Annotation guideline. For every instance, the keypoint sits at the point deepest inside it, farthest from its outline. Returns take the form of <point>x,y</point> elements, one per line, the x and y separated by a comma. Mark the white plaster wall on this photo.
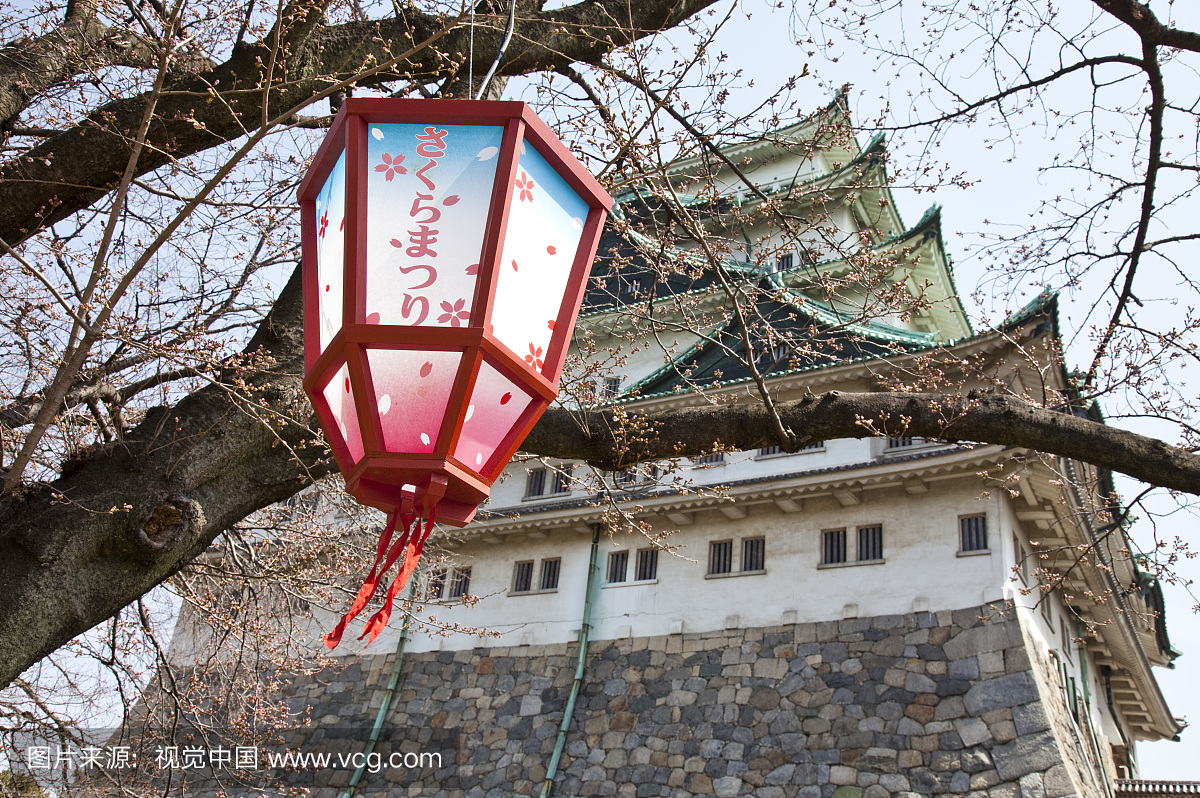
<point>921,570</point>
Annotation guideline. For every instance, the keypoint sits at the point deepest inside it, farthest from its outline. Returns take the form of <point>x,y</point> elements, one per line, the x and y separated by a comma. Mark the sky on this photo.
<point>1005,187</point>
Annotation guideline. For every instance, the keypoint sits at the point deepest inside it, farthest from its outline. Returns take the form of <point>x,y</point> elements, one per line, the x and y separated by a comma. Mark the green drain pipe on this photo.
<point>585,627</point>
<point>387,695</point>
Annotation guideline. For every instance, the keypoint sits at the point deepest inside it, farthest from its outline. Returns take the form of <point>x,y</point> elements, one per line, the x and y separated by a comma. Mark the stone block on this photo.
<point>972,731</point>
<point>1030,718</point>
<point>1057,782</point>
<point>727,786</point>
<point>983,639</point>
<point>1006,691</point>
<point>1031,786</point>
<point>841,774</point>
<point>1028,754</point>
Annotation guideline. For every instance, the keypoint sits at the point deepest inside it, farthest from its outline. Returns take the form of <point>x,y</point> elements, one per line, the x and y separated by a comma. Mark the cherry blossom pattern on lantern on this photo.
<point>324,224</point>
<point>534,358</point>
<point>455,314</point>
<point>391,166</point>
<point>526,187</point>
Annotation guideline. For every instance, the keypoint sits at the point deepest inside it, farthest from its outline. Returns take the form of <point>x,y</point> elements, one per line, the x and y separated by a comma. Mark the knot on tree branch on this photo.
<point>166,525</point>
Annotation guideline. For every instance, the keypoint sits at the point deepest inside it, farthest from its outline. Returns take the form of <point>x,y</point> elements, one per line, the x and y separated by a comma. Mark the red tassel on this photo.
<point>371,583</point>
<point>412,556</point>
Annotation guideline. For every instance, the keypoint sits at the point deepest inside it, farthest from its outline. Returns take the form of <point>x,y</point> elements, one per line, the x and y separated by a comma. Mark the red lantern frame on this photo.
<point>441,485</point>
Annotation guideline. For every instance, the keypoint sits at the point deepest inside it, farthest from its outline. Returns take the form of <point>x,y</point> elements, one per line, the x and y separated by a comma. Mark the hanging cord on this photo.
<point>512,22</point>
<point>388,694</point>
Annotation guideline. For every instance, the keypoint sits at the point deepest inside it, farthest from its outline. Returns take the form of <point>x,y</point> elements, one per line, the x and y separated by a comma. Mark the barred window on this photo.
<point>535,484</point>
<point>550,569</point>
<point>973,532</point>
<point>720,557</point>
<point>711,458</point>
<point>902,443</point>
<point>562,479</point>
<point>436,588</point>
<point>647,564</point>
<point>754,552</point>
<point>612,387</point>
<point>870,542</point>
<point>770,450</point>
<point>784,262</point>
<point>626,477</point>
<point>618,561</point>
<point>461,584</point>
<point>523,577</point>
<point>833,549</point>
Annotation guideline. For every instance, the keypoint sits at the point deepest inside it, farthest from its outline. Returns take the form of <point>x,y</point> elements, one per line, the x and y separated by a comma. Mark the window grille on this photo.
<point>808,447</point>
<point>461,584</point>
<point>784,262</point>
<point>550,569</point>
<point>833,549</point>
<point>535,484</point>
<point>617,564</point>
<point>754,552</point>
<point>720,557</point>
<point>647,564</point>
<point>870,543</point>
<point>523,577</point>
<point>612,387</point>
<point>626,477</point>
<point>712,458</point>
<point>561,483</point>
<point>902,443</point>
<point>436,588</point>
<point>973,531</point>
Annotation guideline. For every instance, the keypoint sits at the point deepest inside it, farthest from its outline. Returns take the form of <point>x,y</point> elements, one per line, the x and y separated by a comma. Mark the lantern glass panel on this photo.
<point>412,389</point>
<point>495,406</point>
<point>429,189</point>
<point>331,244</point>
<point>545,224</point>
<point>341,403</point>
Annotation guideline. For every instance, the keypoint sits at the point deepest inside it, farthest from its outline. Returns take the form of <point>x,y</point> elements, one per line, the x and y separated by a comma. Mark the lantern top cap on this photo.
<point>389,110</point>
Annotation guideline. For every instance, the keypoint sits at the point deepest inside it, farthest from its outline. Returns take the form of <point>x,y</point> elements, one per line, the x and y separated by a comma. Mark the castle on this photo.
<point>857,618</point>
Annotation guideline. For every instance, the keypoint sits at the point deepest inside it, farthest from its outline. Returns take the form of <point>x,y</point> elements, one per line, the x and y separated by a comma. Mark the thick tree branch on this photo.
<point>1142,20</point>
<point>68,172</point>
<point>81,43</point>
<point>613,440</point>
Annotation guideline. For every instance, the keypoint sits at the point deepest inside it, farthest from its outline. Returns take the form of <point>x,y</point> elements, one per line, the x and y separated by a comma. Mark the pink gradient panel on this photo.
<point>412,388</point>
<point>493,410</point>
<point>341,403</point>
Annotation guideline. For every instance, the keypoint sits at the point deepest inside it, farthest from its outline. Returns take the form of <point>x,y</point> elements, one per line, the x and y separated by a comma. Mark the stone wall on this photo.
<point>895,705</point>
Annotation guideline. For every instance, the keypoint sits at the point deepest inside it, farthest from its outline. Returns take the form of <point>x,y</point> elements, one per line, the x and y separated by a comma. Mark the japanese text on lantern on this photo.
<point>422,235</point>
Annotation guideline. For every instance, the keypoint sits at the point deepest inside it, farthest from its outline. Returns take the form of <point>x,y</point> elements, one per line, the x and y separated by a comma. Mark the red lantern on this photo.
<point>447,245</point>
